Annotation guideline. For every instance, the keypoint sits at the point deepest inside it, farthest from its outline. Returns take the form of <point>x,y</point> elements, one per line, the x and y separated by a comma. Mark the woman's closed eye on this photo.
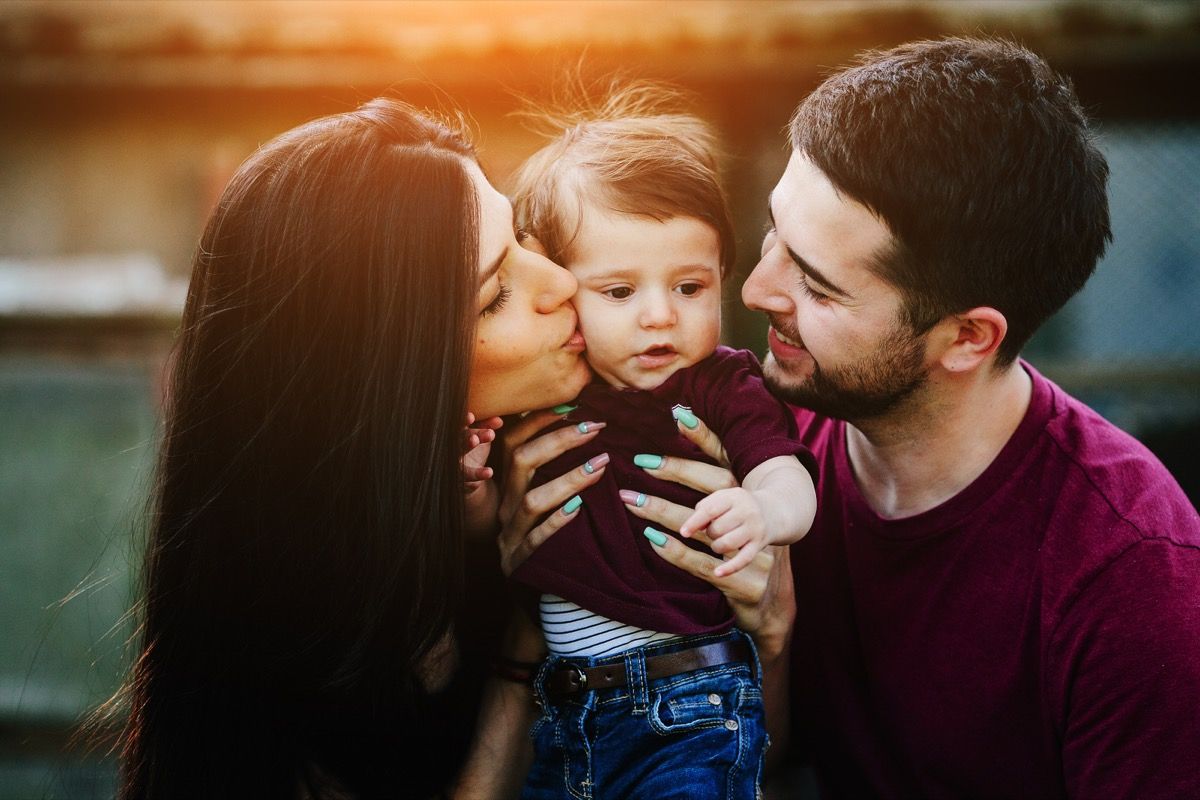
<point>497,302</point>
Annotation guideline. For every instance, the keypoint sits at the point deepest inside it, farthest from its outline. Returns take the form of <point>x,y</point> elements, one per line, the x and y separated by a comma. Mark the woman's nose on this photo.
<point>555,285</point>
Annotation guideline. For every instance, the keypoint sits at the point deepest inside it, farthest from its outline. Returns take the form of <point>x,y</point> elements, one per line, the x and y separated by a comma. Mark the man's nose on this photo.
<point>764,287</point>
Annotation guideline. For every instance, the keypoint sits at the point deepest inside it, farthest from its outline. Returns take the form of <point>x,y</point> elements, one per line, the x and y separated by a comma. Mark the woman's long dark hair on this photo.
<point>305,549</point>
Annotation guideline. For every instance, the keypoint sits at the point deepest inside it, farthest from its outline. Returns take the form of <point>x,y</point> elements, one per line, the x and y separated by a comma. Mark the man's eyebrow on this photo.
<point>810,272</point>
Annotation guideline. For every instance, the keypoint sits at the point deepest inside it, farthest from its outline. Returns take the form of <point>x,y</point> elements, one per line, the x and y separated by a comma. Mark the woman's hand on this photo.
<point>521,508</point>
<point>761,595</point>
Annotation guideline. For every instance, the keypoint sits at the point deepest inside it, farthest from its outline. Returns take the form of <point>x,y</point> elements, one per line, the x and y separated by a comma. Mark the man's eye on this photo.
<point>689,289</point>
<point>806,287</point>
<point>619,293</point>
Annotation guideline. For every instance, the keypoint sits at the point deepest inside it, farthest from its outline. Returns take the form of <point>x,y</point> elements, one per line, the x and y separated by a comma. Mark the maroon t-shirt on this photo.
<point>600,559</point>
<point>1038,635</point>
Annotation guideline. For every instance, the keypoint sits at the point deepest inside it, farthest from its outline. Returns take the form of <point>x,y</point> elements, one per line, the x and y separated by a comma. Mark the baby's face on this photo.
<point>649,298</point>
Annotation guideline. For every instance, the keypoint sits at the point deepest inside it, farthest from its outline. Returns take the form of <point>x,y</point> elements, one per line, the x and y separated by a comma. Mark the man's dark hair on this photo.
<point>979,159</point>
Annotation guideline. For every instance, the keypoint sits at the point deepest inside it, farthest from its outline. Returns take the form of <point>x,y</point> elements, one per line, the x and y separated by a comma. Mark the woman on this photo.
<point>305,616</point>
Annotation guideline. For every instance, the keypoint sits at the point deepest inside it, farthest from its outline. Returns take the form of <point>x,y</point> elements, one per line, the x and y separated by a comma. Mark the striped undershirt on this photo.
<point>571,630</point>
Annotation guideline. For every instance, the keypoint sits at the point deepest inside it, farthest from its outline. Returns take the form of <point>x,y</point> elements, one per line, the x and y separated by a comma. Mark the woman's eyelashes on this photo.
<point>497,302</point>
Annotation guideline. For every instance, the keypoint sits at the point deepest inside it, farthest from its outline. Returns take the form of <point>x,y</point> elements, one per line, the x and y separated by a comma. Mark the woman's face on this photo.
<point>528,349</point>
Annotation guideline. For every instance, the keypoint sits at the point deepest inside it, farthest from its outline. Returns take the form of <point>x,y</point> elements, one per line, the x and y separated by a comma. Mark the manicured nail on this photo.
<point>657,538</point>
<point>565,408</point>
<point>647,461</point>
<point>572,505</point>
<point>588,427</point>
<point>685,417</point>
<point>633,498</point>
<point>582,427</point>
<point>595,462</point>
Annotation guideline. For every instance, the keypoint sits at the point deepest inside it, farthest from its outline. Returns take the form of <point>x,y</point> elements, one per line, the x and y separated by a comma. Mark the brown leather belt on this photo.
<point>569,679</point>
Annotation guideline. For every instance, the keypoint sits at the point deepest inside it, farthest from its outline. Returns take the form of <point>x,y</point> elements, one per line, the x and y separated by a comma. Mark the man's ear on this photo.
<point>970,338</point>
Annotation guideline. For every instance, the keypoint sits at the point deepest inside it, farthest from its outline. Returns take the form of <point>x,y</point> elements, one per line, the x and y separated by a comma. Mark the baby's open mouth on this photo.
<point>659,350</point>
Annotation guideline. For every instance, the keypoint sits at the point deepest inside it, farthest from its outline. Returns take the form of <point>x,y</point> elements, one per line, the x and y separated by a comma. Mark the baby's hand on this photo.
<point>481,498</point>
<point>734,520</point>
<point>477,446</point>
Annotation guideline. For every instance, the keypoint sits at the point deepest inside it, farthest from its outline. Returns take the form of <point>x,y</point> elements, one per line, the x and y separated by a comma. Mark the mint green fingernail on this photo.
<point>565,408</point>
<point>685,417</point>
<point>647,461</point>
<point>641,500</point>
<point>657,538</point>
<point>572,505</point>
<point>582,427</point>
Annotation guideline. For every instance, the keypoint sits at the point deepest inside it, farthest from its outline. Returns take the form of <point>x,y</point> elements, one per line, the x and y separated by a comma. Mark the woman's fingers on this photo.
<point>742,588</point>
<point>668,515</point>
<point>530,426</point>
<point>702,477</point>
<point>693,428</point>
<point>523,547</point>
<point>559,497</point>
<point>524,459</point>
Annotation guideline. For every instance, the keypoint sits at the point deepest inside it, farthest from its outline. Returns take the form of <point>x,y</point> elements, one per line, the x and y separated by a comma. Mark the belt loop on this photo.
<point>635,672</point>
<point>539,684</point>
<point>755,666</point>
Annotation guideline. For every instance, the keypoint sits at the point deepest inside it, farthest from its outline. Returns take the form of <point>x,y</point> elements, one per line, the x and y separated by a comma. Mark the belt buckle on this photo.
<point>577,679</point>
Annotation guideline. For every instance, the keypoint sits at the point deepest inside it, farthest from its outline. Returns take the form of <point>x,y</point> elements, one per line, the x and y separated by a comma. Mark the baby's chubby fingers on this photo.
<point>707,511</point>
<point>735,564</point>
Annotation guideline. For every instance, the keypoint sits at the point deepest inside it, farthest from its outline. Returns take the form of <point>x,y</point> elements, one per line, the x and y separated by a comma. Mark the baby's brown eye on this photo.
<point>689,289</point>
<point>619,293</point>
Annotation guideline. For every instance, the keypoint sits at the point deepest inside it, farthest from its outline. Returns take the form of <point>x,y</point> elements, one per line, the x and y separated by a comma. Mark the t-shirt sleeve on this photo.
<point>753,425</point>
<point>1124,677</point>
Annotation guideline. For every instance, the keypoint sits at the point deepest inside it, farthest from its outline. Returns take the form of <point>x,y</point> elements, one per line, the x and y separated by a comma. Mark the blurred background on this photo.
<point>121,122</point>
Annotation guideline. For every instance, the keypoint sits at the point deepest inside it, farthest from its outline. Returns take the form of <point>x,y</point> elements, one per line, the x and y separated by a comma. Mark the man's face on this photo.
<point>838,344</point>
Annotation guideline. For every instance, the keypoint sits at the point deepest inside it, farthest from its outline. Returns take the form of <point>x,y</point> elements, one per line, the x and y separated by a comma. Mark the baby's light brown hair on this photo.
<point>634,151</point>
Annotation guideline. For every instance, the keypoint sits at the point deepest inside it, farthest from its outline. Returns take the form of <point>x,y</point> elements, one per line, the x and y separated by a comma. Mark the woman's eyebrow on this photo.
<point>493,268</point>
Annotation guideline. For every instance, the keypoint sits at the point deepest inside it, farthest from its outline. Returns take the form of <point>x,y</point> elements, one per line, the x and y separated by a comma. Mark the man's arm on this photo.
<point>1124,677</point>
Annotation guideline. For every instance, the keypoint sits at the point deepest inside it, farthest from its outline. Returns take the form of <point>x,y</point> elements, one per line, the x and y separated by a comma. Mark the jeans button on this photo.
<point>731,724</point>
<point>714,699</point>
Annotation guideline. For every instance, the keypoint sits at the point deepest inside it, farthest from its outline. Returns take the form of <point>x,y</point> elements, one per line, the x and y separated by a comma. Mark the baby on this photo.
<point>649,690</point>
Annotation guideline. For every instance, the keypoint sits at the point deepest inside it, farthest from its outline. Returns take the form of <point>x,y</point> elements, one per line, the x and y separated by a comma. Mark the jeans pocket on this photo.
<point>710,700</point>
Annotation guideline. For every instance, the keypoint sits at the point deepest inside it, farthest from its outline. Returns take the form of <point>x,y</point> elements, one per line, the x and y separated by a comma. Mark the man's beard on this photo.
<point>863,390</point>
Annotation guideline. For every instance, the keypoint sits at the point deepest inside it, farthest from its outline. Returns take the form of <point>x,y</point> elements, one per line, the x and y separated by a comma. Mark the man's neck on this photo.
<point>920,456</point>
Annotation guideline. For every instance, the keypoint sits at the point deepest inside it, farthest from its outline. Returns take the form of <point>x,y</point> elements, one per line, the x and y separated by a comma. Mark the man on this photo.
<point>1000,596</point>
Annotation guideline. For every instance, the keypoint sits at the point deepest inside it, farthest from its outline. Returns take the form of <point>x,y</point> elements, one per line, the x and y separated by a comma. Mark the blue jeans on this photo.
<point>691,736</point>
